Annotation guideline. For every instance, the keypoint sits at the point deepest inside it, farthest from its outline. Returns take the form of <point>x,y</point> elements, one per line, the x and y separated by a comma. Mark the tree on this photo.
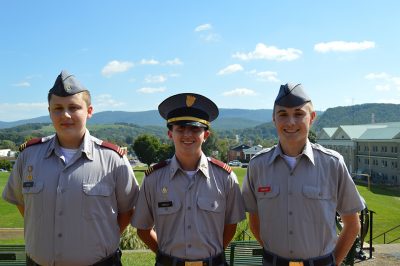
<point>7,165</point>
<point>147,148</point>
<point>312,136</point>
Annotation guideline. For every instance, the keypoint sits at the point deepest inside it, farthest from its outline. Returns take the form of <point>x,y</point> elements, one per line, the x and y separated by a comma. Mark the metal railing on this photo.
<point>385,233</point>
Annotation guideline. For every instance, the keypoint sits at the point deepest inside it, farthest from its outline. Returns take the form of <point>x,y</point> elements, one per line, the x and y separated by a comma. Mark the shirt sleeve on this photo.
<point>234,202</point>
<point>127,188</point>
<point>143,217</point>
<point>12,192</point>
<point>250,200</point>
<point>349,199</point>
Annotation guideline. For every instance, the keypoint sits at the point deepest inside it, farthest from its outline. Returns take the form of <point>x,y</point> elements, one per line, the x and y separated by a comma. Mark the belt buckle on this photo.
<point>194,263</point>
<point>296,263</point>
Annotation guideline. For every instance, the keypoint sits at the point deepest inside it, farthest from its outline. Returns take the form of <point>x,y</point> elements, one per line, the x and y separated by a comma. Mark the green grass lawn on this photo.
<point>385,203</point>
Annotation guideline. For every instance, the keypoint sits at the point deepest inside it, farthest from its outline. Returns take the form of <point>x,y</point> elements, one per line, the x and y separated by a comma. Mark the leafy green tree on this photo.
<point>147,148</point>
<point>312,136</point>
<point>7,165</point>
<point>8,144</point>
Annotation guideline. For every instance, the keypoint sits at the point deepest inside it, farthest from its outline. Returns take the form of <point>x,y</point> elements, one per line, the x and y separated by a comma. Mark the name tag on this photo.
<point>164,204</point>
<point>28,184</point>
<point>264,189</point>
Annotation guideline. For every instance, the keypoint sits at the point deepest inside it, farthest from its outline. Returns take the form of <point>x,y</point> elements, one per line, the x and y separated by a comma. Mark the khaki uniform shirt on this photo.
<point>189,214</point>
<point>297,206</point>
<point>71,210</point>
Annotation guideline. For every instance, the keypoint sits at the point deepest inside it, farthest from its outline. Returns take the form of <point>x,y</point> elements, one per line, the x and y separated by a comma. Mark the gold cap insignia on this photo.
<point>164,190</point>
<point>190,99</point>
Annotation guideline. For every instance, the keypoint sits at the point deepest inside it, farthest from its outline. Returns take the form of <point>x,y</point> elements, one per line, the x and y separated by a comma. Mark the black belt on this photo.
<point>112,260</point>
<point>166,260</point>
<point>324,261</point>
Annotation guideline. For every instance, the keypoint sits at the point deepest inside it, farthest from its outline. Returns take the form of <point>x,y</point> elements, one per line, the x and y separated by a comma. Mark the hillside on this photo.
<point>228,118</point>
<point>358,114</point>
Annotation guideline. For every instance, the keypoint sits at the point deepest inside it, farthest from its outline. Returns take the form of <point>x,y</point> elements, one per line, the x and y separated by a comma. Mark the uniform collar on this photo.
<point>307,151</point>
<point>87,146</point>
<point>202,166</point>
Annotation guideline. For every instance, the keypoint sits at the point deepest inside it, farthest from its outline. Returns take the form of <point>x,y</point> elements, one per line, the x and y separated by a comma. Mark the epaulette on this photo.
<point>221,164</point>
<point>159,165</point>
<point>30,142</point>
<point>113,147</point>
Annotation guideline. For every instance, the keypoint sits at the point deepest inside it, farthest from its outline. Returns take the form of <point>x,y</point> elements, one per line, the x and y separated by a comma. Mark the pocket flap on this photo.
<point>315,193</point>
<point>35,188</point>
<point>168,209</point>
<point>209,204</point>
<point>97,189</point>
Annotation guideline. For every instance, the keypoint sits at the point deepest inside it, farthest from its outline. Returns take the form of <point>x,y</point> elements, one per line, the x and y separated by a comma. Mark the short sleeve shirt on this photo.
<point>71,209</point>
<point>189,214</point>
<point>297,207</point>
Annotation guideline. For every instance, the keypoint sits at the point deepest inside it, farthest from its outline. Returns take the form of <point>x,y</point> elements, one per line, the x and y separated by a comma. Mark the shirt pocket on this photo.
<point>211,215</point>
<point>33,199</point>
<point>268,203</point>
<point>319,206</point>
<point>97,201</point>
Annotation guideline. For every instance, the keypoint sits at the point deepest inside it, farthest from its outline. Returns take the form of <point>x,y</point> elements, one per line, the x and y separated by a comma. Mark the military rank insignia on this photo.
<point>29,178</point>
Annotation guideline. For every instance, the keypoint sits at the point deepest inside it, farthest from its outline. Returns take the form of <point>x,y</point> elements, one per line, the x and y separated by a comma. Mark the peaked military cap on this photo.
<point>188,109</point>
<point>66,85</point>
<point>291,95</point>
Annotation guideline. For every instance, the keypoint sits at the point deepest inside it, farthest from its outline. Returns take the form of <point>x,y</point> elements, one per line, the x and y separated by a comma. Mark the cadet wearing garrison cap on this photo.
<point>192,201</point>
<point>76,192</point>
<point>293,190</point>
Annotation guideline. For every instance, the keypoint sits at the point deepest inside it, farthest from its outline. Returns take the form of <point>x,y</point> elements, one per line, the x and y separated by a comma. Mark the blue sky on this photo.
<point>133,54</point>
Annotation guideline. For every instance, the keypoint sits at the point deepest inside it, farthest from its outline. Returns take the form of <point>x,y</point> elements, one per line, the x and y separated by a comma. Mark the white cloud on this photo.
<point>203,27</point>
<point>22,84</point>
<point>18,111</point>
<point>268,76</point>
<point>148,90</point>
<point>240,92</point>
<point>342,46</point>
<point>385,87</point>
<point>381,75</point>
<point>212,37</point>
<point>263,51</point>
<point>105,100</point>
<point>230,69</point>
<point>149,62</point>
<point>116,67</point>
<point>155,79</point>
<point>174,62</point>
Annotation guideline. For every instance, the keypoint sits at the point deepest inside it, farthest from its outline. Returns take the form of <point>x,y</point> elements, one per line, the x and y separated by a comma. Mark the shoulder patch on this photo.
<point>113,147</point>
<point>159,165</point>
<point>30,142</point>
<point>221,164</point>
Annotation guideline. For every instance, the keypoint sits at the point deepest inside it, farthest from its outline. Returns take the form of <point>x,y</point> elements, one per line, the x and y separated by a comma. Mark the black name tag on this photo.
<point>164,204</point>
<point>28,184</point>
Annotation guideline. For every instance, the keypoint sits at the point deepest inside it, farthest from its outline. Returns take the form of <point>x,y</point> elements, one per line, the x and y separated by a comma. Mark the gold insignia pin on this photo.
<point>30,169</point>
<point>190,99</point>
<point>164,190</point>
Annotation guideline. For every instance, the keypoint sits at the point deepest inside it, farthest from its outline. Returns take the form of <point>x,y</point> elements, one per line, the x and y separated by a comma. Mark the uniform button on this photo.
<point>59,235</point>
<point>189,245</point>
<point>60,213</point>
<point>189,227</point>
<point>320,194</point>
<point>189,208</point>
<point>290,192</point>
<point>290,232</point>
<point>212,205</point>
<point>291,174</point>
<point>290,212</point>
<point>291,251</point>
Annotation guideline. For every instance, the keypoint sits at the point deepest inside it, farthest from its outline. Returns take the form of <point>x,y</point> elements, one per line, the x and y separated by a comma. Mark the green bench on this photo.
<point>12,255</point>
<point>244,253</point>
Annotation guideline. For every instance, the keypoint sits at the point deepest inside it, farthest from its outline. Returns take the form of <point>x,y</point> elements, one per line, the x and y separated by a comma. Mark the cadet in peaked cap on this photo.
<point>189,109</point>
<point>291,95</point>
<point>188,191</point>
<point>66,85</point>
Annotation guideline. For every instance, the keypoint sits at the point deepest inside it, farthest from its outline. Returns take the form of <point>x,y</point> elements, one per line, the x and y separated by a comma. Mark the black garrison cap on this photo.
<point>188,109</point>
<point>66,85</point>
<point>291,95</point>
